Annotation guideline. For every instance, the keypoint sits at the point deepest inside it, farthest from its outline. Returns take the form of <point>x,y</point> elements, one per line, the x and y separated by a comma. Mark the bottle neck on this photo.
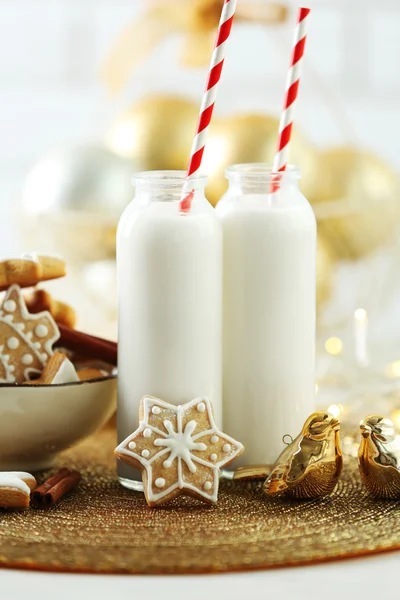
<point>167,186</point>
<point>258,178</point>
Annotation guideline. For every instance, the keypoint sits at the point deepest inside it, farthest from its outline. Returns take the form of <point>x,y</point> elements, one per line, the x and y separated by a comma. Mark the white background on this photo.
<point>51,93</point>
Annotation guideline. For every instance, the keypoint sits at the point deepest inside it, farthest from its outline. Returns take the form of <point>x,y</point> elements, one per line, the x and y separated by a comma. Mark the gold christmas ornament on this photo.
<point>355,199</point>
<point>379,457</point>
<point>72,200</point>
<point>311,464</point>
<point>156,132</point>
<point>197,20</point>
<point>251,138</point>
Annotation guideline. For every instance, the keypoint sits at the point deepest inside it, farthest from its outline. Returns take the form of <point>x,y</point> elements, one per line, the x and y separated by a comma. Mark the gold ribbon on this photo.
<point>197,20</point>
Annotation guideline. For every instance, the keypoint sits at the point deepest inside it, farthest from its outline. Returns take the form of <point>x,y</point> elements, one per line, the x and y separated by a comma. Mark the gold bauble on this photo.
<point>156,132</point>
<point>325,266</point>
<point>249,139</point>
<point>356,201</point>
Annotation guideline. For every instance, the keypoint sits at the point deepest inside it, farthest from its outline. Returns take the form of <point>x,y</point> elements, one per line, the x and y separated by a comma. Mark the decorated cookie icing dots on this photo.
<point>26,341</point>
<point>179,449</point>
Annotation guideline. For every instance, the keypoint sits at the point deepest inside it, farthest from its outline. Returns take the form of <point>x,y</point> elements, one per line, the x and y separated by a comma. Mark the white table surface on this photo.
<point>374,578</point>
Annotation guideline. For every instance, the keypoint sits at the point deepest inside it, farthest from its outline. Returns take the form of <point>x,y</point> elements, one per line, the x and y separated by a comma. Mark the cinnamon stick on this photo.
<point>54,488</point>
<point>38,494</point>
<point>61,488</point>
<point>88,345</point>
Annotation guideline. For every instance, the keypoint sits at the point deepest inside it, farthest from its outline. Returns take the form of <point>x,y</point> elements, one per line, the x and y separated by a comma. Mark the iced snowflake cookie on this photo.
<point>15,489</point>
<point>30,269</point>
<point>26,341</point>
<point>59,369</point>
<point>179,450</point>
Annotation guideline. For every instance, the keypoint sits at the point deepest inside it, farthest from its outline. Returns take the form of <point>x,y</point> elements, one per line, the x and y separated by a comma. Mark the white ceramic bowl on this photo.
<point>38,421</point>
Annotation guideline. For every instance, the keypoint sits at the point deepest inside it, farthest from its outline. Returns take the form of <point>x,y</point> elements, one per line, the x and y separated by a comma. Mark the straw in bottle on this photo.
<point>292,89</point>
<point>209,97</point>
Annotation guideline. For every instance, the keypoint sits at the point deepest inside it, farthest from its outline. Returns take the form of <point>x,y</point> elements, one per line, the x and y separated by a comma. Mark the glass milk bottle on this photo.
<point>269,309</point>
<point>170,301</point>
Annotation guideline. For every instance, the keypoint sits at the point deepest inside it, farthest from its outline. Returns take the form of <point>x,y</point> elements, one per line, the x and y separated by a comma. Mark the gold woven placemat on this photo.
<point>103,528</point>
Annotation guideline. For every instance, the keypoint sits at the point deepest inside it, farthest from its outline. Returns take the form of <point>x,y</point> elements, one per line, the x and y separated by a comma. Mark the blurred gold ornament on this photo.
<point>156,132</point>
<point>196,19</point>
<point>325,267</point>
<point>310,465</point>
<point>379,457</point>
<point>72,200</point>
<point>251,138</point>
<point>356,201</point>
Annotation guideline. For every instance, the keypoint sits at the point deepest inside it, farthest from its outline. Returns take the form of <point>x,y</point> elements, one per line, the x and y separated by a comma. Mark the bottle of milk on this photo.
<point>170,301</point>
<point>269,309</point>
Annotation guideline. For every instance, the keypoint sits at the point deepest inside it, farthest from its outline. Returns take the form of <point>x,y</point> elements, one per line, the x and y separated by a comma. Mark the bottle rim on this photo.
<point>261,172</point>
<point>168,179</point>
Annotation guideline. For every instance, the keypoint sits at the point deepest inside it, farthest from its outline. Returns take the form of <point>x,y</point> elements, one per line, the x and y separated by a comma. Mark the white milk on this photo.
<point>170,309</point>
<point>269,319</point>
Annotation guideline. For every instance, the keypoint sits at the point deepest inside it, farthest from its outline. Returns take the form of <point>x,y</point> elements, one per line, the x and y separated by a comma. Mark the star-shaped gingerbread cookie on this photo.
<point>179,450</point>
<point>26,340</point>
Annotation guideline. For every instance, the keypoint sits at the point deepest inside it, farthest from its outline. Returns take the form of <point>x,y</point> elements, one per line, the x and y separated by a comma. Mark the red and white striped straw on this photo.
<point>292,89</point>
<point>208,103</point>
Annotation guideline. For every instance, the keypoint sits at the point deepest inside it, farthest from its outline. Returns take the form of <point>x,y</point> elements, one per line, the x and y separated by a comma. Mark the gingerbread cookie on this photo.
<point>26,340</point>
<point>15,489</point>
<point>179,450</point>
<point>86,374</point>
<point>59,369</point>
<point>40,300</point>
<point>30,269</point>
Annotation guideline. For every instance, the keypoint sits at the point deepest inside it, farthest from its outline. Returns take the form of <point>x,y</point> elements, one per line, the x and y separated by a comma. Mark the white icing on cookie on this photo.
<point>226,448</point>
<point>66,373</point>
<point>182,448</point>
<point>132,445</point>
<point>180,444</point>
<point>15,321</point>
<point>27,359</point>
<point>41,330</point>
<point>147,432</point>
<point>16,480</point>
<point>12,343</point>
<point>8,369</point>
<point>201,407</point>
<point>10,306</point>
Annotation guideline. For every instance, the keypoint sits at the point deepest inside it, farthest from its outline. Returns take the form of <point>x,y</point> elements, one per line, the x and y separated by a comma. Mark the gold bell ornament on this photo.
<point>355,199</point>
